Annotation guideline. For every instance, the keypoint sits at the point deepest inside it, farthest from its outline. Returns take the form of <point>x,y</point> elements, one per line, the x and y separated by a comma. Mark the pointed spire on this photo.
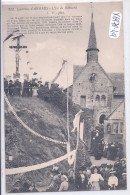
<point>92,51</point>
<point>92,37</point>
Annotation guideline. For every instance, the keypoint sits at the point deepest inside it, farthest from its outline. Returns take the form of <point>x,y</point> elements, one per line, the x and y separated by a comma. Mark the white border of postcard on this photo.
<point>126,16</point>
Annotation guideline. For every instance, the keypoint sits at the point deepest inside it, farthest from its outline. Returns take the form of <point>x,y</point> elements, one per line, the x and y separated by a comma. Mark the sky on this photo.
<point>47,51</point>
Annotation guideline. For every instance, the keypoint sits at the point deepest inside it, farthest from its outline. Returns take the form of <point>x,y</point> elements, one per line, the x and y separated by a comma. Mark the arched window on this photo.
<point>102,118</point>
<point>97,98</point>
<point>103,97</point>
<point>103,100</point>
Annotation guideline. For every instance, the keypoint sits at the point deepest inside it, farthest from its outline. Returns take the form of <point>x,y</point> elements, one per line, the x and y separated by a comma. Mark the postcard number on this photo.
<point>115,23</point>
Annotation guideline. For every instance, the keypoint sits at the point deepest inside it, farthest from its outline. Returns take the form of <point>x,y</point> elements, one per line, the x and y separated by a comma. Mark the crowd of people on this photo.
<point>111,151</point>
<point>25,89</point>
<point>104,177</point>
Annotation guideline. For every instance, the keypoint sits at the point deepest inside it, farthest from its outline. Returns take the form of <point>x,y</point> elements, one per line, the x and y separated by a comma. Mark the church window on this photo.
<point>121,127</point>
<point>103,97</point>
<point>103,100</point>
<point>114,88</point>
<point>109,128</point>
<point>115,128</point>
<point>97,98</point>
<point>83,101</point>
<point>92,77</point>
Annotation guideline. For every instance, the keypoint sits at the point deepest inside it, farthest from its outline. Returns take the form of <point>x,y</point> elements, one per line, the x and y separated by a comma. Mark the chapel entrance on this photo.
<point>102,118</point>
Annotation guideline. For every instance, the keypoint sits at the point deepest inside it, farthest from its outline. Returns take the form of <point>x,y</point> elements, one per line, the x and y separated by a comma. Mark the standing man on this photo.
<point>30,89</point>
<point>11,88</point>
<point>17,88</point>
<point>5,86</point>
<point>25,92</point>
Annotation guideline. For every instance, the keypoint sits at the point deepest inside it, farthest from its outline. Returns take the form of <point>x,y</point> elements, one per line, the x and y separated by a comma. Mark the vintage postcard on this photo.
<point>64,97</point>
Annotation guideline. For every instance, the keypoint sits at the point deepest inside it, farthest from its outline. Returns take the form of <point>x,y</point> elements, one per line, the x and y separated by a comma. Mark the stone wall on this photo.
<point>100,86</point>
<point>98,112</point>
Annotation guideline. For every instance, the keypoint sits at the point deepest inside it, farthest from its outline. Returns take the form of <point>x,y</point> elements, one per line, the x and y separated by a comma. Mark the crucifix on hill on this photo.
<point>17,49</point>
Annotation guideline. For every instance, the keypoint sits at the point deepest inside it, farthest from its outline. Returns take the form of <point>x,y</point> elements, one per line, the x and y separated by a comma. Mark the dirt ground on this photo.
<point>101,161</point>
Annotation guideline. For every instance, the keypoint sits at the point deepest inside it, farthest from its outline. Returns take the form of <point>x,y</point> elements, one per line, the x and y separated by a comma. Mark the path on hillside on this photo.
<point>101,161</point>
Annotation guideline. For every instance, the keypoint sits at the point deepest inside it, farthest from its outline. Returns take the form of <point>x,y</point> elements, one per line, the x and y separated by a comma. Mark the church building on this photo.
<point>93,88</point>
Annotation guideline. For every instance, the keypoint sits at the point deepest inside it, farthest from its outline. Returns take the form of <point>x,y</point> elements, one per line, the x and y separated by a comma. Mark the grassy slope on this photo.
<point>27,149</point>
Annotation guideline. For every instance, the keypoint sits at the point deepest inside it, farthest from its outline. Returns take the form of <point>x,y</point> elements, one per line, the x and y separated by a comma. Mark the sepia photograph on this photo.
<point>64,97</point>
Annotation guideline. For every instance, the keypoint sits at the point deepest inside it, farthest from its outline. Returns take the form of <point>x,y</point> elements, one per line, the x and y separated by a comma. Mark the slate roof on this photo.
<point>92,37</point>
<point>115,110</point>
<point>118,81</point>
<point>77,70</point>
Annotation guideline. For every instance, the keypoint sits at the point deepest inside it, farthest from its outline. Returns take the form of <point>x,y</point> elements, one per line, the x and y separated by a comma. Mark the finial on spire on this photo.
<point>91,9</point>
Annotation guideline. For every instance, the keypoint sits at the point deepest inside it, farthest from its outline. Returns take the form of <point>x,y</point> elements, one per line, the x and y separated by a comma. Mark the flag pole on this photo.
<point>68,110</point>
<point>78,131</point>
<point>68,129</point>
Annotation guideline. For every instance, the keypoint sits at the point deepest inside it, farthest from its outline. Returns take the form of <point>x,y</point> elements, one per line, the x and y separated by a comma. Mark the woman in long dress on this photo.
<point>34,91</point>
<point>71,181</point>
<point>113,180</point>
<point>94,180</point>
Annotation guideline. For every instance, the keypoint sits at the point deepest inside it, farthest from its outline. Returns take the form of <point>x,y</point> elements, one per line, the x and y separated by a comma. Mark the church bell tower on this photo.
<point>92,51</point>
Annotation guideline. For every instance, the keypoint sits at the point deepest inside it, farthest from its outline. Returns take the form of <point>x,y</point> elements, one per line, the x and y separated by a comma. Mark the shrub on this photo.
<point>57,97</point>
